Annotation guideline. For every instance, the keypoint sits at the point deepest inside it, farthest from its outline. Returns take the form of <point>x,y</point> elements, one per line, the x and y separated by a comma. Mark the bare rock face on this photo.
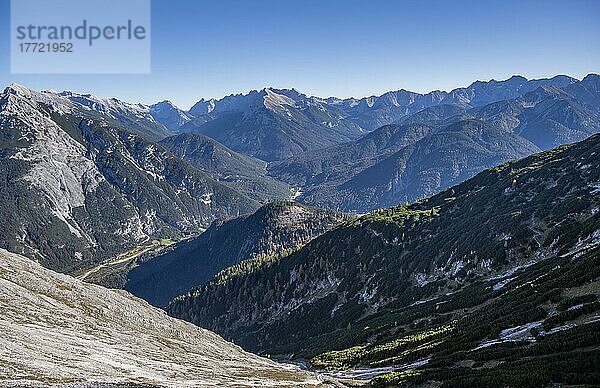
<point>59,330</point>
<point>80,185</point>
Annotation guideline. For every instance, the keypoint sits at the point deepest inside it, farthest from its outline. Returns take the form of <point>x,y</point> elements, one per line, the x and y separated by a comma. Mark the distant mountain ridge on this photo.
<point>373,112</point>
<point>246,122</point>
<point>169,115</point>
<point>481,93</point>
<point>271,124</point>
<point>375,171</point>
<point>136,117</point>
<point>274,124</point>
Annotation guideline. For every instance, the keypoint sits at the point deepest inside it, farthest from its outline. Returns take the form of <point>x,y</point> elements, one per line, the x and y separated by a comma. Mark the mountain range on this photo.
<point>420,239</point>
<point>442,145</point>
<point>274,124</point>
<point>271,124</point>
<point>462,132</point>
<point>166,173</point>
<point>491,279</point>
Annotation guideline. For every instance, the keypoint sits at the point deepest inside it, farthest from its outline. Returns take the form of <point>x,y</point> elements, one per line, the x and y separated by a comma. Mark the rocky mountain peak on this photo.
<point>166,113</point>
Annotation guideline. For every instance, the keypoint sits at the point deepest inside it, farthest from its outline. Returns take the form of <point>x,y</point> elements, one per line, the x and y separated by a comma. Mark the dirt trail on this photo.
<point>122,258</point>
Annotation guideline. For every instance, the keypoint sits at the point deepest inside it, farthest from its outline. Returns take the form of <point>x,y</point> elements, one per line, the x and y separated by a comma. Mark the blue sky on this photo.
<point>341,47</point>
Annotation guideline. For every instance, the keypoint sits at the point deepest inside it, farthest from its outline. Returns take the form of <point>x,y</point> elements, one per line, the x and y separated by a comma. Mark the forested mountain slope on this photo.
<point>274,229</point>
<point>442,158</point>
<point>240,172</point>
<point>455,281</point>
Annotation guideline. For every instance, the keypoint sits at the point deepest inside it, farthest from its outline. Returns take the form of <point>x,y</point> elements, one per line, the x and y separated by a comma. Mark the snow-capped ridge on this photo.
<point>277,101</point>
<point>23,95</point>
<point>16,88</point>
